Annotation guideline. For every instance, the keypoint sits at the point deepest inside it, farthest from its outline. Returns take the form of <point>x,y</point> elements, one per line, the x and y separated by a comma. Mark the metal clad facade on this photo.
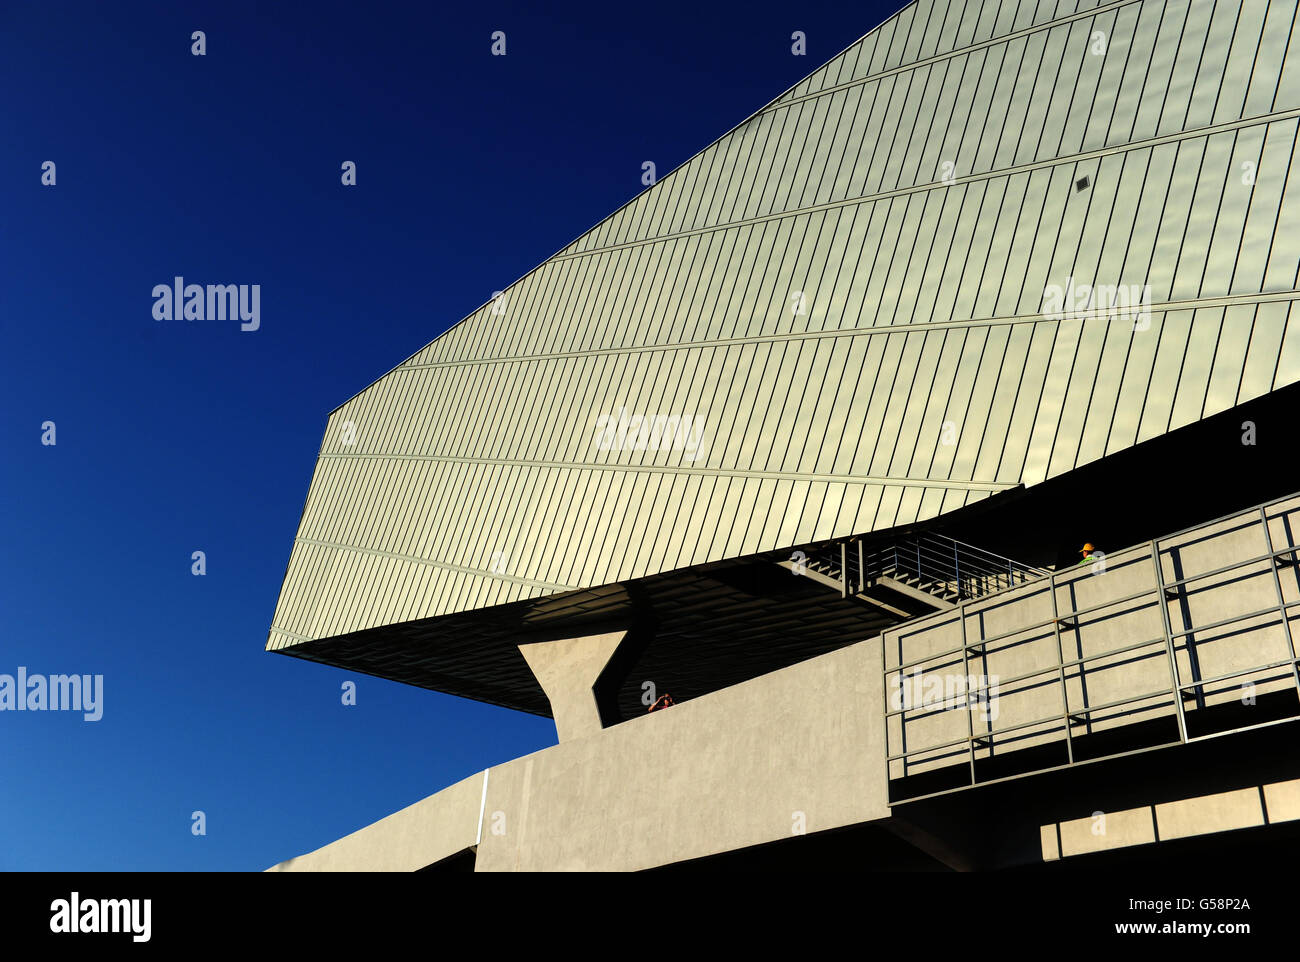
<point>846,295</point>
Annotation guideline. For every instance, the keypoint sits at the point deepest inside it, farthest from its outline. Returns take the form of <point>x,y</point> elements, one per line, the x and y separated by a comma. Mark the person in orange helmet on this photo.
<point>1087,551</point>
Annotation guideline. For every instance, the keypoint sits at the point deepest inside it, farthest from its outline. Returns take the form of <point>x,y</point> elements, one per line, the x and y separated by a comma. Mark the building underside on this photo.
<point>701,629</point>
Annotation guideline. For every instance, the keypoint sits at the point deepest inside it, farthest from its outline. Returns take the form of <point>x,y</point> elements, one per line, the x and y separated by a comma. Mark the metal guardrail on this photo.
<point>949,566</point>
<point>1161,595</point>
<point>935,563</point>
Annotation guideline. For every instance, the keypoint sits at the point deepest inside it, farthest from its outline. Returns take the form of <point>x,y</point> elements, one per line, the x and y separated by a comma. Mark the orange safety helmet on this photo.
<point>1087,548</point>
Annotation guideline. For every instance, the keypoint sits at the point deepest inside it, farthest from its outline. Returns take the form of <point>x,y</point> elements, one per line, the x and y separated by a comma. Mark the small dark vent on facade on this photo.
<point>1081,183</point>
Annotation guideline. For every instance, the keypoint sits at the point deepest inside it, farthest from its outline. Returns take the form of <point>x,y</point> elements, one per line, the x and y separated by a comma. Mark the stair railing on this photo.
<point>933,563</point>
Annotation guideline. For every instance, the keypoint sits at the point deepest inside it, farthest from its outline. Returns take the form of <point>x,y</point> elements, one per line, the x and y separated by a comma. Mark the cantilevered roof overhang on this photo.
<point>864,307</point>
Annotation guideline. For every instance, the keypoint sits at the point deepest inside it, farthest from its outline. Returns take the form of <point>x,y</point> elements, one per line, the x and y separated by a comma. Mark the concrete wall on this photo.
<point>419,835</point>
<point>799,749</point>
<point>745,765</point>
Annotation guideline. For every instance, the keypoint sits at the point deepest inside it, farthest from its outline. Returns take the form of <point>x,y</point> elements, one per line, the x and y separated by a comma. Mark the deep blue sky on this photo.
<point>178,436</point>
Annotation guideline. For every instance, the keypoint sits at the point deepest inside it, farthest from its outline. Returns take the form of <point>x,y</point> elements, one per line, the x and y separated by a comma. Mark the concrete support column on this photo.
<point>567,669</point>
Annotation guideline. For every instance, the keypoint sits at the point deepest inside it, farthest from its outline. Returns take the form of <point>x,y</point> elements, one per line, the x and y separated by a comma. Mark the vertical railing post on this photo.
<point>1060,666</point>
<point>1163,602</point>
<point>970,717</point>
<point>1281,601</point>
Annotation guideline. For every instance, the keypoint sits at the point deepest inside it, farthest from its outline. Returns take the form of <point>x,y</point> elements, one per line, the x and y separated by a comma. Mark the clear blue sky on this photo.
<point>178,436</point>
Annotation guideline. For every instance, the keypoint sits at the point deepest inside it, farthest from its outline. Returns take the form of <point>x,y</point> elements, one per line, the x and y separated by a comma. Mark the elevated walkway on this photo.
<point>1185,638</point>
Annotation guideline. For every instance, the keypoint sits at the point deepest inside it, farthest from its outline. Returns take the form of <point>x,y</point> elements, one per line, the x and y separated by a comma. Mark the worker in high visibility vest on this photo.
<point>1087,551</point>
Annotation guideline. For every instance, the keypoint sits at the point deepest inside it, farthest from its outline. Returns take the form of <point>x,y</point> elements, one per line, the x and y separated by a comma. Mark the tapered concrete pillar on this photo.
<point>567,669</point>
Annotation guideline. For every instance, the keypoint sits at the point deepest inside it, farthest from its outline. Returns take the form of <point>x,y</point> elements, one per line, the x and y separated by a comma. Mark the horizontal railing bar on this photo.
<point>1066,716</point>
<point>1060,724</point>
<point>910,560</point>
<point>1271,609</point>
<point>1063,719</point>
<point>1252,510</point>
<point>1247,728</point>
<point>1153,594</point>
<point>1037,771</point>
<point>1237,674</point>
<point>1055,667</point>
<point>1260,559</point>
<point>932,551</point>
<point>943,542</point>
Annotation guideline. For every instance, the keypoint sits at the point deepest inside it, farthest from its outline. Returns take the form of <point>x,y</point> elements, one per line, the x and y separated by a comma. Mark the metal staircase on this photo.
<point>913,575</point>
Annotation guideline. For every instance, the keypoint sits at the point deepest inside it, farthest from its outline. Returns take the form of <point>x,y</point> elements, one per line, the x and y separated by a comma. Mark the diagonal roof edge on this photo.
<point>901,10</point>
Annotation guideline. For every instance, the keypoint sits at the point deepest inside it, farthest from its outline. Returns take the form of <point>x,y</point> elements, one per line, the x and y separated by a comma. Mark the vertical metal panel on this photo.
<point>924,306</point>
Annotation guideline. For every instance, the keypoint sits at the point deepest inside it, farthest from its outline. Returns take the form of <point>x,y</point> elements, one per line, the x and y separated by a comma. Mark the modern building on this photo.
<point>808,436</point>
